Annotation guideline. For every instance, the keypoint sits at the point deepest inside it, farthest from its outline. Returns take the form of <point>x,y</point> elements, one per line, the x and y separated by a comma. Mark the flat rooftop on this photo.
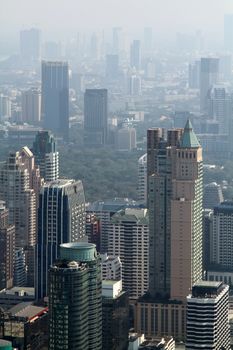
<point>26,310</point>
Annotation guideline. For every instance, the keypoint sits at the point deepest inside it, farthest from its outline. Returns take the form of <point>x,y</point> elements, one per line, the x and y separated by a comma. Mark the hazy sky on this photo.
<point>63,16</point>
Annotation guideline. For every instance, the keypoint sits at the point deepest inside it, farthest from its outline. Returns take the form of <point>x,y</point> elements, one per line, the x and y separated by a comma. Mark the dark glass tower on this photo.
<point>75,308</point>
<point>61,219</point>
<point>46,155</point>
<point>96,117</point>
<point>55,97</point>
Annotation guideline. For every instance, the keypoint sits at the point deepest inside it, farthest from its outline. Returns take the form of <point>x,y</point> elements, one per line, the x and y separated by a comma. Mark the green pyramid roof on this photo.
<point>189,138</point>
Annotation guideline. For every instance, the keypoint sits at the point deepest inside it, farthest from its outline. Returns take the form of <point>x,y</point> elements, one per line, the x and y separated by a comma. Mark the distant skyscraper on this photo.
<point>115,315</point>
<point>20,184</point>
<point>129,239</point>
<point>135,85</point>
<point>228,31</point>
<point>194,75</point>
<point>220,103</point>
<point>46,155</point>
<point>116,40</point>
<point>135,54</point>
<point>30,44</point>
<point>112,66</point>
<point>75,307</point>
<point>207,317</point>
<point>55,97</point>
<point>7,249</point>
<point>126,139</point>
<point>96,117</point>
<point>209,74</point>
<point>61,220</point>
<point>142,179</point>
<point>31,106</point>
<point>213,195</point>
<point>111,267</point>
<point>5,106</point>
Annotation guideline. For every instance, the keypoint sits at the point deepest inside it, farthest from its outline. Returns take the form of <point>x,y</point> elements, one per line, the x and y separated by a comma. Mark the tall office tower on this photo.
<point>20,268</point>
<point>46,155</point>
<point>209,74</point>
<point>148,39</point>
<point>104,210</point>
<point>207,236</point>
<point>20,184</point>
<point>126,138</point>
<point>142,179</point>
<point>228,31</point>
<point>135,54</point>
<point>61,219</point>
<point>75,305</point>
<point>220,104</point>
<point>112,67</point>
<point>194,75</point>
<point>55,97</point>
<point>30,45</point>
<point>225,67</point>
<point>175,211</point>
<point>115,316</point>
<point>213,195</point>
<point>135,85</point>
<point>222,235</point>
<point>5,106</point>
<point>207,317</point>
<point>31,106</point>
<point>116,40</point>
<point>7,249</point>
<point>111,267</point>
<point>129,239</point>
<point>96,117</point>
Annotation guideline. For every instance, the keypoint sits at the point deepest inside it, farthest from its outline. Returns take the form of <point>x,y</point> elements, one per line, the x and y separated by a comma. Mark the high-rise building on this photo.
<point>75,305</point>
<point>55,97</point>
<point>61,219</point>
<point>7,249</point>
<point>135,54</point>
<point>96,117</point>
<point>93,230</point>
<point>175,193</point>
<point>30,45</point>
<point>222,235</point>
<point>148,39</point>
<point>5,106</point>
<point>31,106</point>
<point>116,40</point>
<point>194,75</point>
<point>209,74</point>
<point>20,184</point>
<point>175,173</point>
<point>104,210</point>
<point>134,85</point>
<point>207,324</point>
<point>46,155</point>
<point>115,316</point>
<point>142,179</point>
<point>129,239</point>
<point>112,67</point>
<point>220,105</point>
<point>213,195</point>
<point>228,31</point>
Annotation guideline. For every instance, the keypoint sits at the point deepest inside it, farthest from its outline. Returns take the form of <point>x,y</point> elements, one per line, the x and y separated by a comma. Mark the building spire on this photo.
<point>189,138</point>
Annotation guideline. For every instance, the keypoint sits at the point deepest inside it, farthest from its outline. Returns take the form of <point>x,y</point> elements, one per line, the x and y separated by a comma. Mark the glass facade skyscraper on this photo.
<point>75,304</point>
<point>55,97</point>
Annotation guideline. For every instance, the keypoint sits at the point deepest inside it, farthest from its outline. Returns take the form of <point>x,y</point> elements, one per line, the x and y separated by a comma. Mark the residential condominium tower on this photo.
<point>20,184</point>
<point>55,97</point>
<point>46,155</point>
<point>61,219</point>
<point>75,307</point>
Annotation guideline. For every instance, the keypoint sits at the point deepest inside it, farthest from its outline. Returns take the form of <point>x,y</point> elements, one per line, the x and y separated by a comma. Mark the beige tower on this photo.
<point>20,183</point>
